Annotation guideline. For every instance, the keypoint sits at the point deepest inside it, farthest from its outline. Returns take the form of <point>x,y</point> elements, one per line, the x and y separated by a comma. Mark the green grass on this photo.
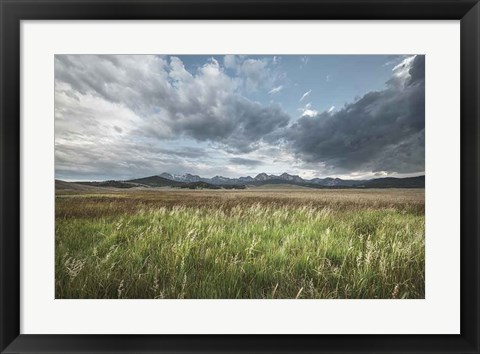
<point>248,251</point>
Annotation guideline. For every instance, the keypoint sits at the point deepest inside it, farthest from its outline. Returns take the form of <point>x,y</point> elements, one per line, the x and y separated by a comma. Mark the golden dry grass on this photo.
<point>102,201</point>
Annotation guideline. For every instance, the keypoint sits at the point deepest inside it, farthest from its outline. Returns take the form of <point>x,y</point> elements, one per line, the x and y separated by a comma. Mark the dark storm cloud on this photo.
<point>252,123</point>
<point>417,71</point>
<point>238,124</point>
<point>382,131</point>
<point>407,156</point>
<point>187,152</point>
<point>245,162</point>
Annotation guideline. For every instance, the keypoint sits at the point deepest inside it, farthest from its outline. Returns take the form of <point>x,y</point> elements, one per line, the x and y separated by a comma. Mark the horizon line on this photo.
<point>414,174</point>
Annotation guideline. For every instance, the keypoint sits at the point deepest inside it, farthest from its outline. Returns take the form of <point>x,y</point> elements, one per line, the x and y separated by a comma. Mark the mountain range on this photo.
<point>285,178</point>
<point>195,182</point>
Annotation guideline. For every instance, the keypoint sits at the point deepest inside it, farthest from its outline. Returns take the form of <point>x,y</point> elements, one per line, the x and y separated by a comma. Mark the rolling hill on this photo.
<point>155,181</point>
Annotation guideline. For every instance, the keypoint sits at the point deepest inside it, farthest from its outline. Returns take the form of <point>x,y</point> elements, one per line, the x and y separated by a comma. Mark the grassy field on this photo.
<point>250,244</point>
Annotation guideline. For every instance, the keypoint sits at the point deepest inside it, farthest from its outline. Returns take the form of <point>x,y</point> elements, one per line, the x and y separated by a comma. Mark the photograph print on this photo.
<point>240,176</point>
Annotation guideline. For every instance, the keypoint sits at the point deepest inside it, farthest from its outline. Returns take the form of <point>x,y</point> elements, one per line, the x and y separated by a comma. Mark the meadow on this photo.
<point>258,243</point>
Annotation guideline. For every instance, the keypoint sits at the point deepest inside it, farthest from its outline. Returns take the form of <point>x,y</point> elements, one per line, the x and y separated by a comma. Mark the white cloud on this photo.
<point>254,73</point>
<point>275,90</point>
<point>305,95</point>
<point>116,111</point>
<point>331,109</point>
<point>307,111</point>
<point>230,61</point>
<point>401,71</point>
<point>390,62</point>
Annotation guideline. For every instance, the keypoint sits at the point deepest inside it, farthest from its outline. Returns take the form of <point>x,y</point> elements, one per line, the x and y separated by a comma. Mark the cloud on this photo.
<point>275,90</point>
<point>382,131</point>
<point>305,95</point>
<point>126,116</point>
<point>394,61</point>
<point>253,124</point>
<point>308,111</point>
<point>245,162</point>
<point>254,73</point>
<point>168,101</point>
<point>125,79</point>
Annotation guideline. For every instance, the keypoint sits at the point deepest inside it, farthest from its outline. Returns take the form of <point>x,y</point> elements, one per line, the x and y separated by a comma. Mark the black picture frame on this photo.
<point>14,11</point>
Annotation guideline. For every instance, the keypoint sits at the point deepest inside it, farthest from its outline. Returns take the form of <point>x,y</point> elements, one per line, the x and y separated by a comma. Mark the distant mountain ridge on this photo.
<point>196,182</point>
<point>285,178</point>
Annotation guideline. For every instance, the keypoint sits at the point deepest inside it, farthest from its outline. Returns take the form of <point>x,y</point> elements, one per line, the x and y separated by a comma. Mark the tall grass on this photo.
<point>250,251</point>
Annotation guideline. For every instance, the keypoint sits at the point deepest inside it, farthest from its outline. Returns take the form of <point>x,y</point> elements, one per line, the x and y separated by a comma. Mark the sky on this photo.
<point>347,116</point>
